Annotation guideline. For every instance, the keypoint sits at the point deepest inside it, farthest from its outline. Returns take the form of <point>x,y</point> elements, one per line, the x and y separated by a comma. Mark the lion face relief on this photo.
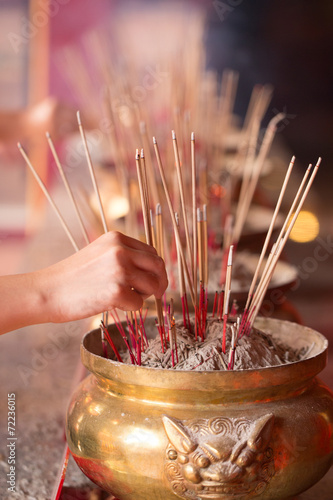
<point>219,458</point>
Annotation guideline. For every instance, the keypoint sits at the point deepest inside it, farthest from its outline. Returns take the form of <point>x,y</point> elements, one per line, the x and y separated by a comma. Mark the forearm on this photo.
<point>21,301</point>
<point>114,271</point>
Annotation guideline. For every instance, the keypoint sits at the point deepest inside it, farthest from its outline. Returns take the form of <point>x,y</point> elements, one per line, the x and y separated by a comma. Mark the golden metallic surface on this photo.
<point>152,434</point>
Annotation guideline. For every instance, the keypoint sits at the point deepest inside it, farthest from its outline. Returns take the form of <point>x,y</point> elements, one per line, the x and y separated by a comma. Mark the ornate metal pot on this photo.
<point>153,434</point>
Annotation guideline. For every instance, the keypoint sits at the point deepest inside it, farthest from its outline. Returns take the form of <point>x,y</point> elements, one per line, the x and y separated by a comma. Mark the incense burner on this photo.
<point>144,433</point>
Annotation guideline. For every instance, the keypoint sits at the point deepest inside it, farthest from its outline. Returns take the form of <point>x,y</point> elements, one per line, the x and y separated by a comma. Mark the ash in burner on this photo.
<point>257,350</point>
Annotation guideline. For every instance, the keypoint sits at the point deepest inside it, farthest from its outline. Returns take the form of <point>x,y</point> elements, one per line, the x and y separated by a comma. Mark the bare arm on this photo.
<point>113,271</point>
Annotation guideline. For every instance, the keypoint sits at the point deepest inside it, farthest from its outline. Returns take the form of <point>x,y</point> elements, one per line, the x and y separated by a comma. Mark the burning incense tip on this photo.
<point>318,162</point>
<point>158,209</point>
<point>19,145</point>
<point>199,216</point>
<point>173,134</point>
<point>204,212</point>
<point>48,136</point>
<point>154,140</point>
<point>142,154</point>
<point>79,118</point>
<point>137,155</point>
<point>192,136</point>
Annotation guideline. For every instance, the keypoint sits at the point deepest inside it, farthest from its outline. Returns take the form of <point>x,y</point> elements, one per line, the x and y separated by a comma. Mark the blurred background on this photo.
<point>121,63</point>
<point>60,54</point>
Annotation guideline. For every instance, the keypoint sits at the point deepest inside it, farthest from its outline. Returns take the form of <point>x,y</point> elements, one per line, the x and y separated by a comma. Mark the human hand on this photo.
<point>115,271</point>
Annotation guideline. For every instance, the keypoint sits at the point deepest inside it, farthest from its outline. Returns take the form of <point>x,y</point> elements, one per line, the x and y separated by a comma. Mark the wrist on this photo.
<point>22,301</point>
<point>42,297</point>
<point>36,298</point>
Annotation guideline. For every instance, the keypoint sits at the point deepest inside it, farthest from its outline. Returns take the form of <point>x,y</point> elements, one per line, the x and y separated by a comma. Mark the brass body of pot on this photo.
<point>154,434</point>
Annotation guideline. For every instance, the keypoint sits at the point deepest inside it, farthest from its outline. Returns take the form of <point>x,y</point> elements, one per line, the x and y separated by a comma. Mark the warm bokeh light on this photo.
<point>117,207</point>
<point>95,322</point>
<point>306,227</point>
<point>218,191</point>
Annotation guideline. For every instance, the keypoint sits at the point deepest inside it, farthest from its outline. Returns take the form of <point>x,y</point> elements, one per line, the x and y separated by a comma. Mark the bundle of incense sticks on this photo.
<point>137,333</point>
<point>258,288</point>
<point>210,153</point>
<point>146,211</point>
<point>192,253</point>
<point>187,97</point>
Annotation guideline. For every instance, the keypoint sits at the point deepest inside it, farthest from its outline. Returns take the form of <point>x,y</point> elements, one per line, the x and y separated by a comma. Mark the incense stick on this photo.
<point>200,245</point>
<point>182,197</point>
<point>194,217</point>
<point>248,159</point>
<point>106,334</point>
<point>144,201</point>
<point>153,236</point>
<point>48,196</point>
<point>283,235</point>
<point>53,205</point>
<point>280,243</point>
<point>248,189</point>
<point>181,278</point>
<point>67,186</point>
<point>227,297</point>
<point>160,166</point>
<point>121,330</point>
<point>205,245</point>
<point>159,231</point>
<point>144,194</point>
<point>270,229</point>
<point>152,180</point>
<point>92,172</point>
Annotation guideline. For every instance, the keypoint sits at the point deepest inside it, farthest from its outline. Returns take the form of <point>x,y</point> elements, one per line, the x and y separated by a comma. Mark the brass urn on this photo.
<point>153,434</point>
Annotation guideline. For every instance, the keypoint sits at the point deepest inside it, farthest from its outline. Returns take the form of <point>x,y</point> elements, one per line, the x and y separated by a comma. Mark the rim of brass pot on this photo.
<point>213,386</point>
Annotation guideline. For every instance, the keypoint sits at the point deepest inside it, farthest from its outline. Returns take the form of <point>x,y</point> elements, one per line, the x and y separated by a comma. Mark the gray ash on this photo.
<point>257,350</point>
